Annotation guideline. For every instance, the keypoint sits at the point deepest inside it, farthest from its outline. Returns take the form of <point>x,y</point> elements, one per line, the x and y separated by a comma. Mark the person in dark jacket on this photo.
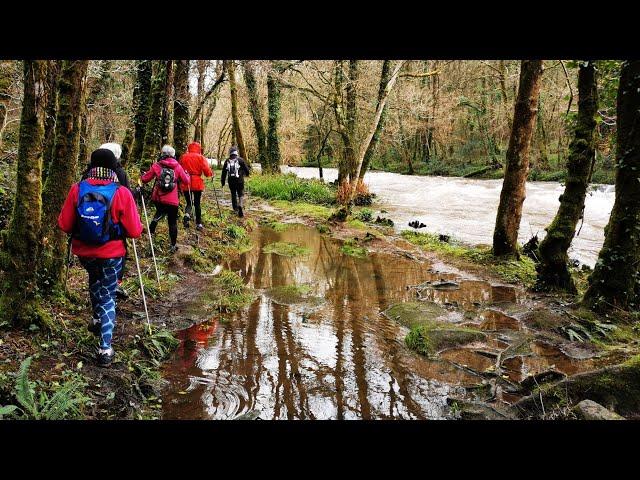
<point>235,168</point>
<point>123,179</point>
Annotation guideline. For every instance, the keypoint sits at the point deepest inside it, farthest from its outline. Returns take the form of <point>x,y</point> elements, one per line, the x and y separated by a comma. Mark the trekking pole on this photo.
<point>144,299</point>
<point>66,273</point>
<point>153,253</point>
<point>215,193</point>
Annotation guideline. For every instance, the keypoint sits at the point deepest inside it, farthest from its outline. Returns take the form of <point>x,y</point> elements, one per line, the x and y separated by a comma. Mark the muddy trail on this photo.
<point>325,339</point>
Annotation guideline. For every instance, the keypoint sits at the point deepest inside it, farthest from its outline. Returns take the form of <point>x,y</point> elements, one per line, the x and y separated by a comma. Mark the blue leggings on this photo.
<point>103,279</point>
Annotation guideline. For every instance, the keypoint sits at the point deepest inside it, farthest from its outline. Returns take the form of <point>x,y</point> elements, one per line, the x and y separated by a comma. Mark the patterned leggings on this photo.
<point>103,279</point>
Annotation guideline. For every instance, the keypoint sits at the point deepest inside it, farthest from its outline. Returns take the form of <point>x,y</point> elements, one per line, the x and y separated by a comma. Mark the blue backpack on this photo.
<point>94,224</point>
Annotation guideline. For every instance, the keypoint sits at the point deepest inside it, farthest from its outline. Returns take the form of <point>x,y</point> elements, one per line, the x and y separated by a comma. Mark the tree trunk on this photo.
<point>52,68</point>
<point>505,236</point>
<point>256,114</point>
<point>231,68</point>
<point>166,103</point>
<point>21,241</point>
<point>371,149</point>
<point>615,279</point>
<point>62,170</point>
<point>140,110</point>
<point>153,134</point>
<point>6,68</point>
<point>181,107</point>
<point>553,268</point>
<point>201,66</point>
<point>352,117</point>
<point>273,105</point>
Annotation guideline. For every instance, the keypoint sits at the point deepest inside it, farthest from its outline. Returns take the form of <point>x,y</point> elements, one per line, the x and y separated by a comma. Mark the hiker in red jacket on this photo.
<point>196,165</point>
<point>100,214</point>
<point>167,173</point>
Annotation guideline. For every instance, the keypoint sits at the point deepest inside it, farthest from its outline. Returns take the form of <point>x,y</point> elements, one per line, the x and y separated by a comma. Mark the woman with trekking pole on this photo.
<point>167,173</point>
<point>196,165</point>
<point>100,215</point>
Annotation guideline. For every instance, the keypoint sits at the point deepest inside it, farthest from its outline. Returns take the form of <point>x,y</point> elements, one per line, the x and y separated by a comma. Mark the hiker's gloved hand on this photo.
<point>137,194</point>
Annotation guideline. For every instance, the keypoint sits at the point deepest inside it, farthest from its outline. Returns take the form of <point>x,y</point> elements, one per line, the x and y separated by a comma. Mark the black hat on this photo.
<point>103,157</point>
<point>233,151</point>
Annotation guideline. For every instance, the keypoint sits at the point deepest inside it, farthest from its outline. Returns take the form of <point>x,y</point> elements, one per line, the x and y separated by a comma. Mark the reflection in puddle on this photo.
<point>339,360</point>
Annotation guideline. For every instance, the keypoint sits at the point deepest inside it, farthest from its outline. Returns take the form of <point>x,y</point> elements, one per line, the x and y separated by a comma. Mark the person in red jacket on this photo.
<point>101,250</point>
<point>196,165</point>
<point>168,173</point>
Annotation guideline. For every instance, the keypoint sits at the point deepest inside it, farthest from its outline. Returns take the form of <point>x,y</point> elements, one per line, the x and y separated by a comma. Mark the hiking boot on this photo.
<point>185,221</point>
<point>173,249</point>
<point>121,292</point>
<point>240,212</point>
<point>105,357</point>
<point>200,227</point>
<point>94,326</point>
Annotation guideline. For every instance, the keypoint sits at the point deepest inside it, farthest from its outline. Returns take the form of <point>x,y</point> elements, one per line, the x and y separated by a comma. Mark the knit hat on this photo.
<point>114,147</point>
<point>233,151</point>
<point>103,157</point>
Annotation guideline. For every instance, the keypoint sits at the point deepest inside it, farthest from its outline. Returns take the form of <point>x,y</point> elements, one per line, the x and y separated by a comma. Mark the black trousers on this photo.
<point>171,212</point>
<point>237,194</point>
<point>197,196</point>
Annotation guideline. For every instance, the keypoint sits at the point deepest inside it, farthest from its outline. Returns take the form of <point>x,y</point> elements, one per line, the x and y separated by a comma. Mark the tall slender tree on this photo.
<point>505,236</point>
<point>62,169</point>
<point>166,102</point>
<point>52,74</point>
<point>255,109</point>
<point>21,241</point>
<point>153,133</point>
<point>140,110</point>
<point>615,281</point>
<point>181,107</point>
<point>231,69</point>
<point>371,149</point>
<point>273,121</point>
<point>352,117</point>
<point>552,254</point>
<point>6,71</point>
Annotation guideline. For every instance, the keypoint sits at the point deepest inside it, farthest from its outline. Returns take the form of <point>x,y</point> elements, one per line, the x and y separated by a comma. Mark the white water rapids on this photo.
<point>466,208</point>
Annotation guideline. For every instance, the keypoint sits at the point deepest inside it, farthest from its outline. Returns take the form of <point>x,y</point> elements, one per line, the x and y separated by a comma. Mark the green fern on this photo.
<point>25,393</point>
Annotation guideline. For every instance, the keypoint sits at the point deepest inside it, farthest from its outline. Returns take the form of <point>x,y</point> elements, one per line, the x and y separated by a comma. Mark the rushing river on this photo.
<point>466,208</point>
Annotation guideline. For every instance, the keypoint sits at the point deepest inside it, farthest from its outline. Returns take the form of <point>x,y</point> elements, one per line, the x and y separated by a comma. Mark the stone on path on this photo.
<point>590,410</point>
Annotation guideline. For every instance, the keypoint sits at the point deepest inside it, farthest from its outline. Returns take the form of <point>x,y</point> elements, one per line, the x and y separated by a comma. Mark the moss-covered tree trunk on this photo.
<point>52,74</point>
<point>166,102</point>
<point>6,70</point>
<point>21,241</point>
<point>237,131</point>
<point>255,109</point>
<point>615,280</point>
<point>553,268</point>
<point>62,170</point>
<point>198,121</point>
<point>505,235</point>
<point>371,149</point>
<point>140,110</point>
<point>273,107</point>
<point>153,133</point>
<point>181,107</point>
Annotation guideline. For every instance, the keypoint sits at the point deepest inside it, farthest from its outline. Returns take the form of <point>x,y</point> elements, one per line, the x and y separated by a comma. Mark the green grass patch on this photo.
<point>228,293</point>
<point>351,248</point>
<point>357,224</point>
<point>428,339</point>
<point>286,249</point>
<point>510,269</point>
<point>290,188</point>
<point>303,209</point>
<point>293,294</point>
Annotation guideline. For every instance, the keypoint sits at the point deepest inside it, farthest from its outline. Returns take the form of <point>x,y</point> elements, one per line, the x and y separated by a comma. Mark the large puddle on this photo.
<point>466,208</point>
<point>336,357</point>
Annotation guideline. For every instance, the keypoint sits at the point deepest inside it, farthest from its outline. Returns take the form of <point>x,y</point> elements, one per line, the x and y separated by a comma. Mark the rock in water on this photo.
<point>590,410</point>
